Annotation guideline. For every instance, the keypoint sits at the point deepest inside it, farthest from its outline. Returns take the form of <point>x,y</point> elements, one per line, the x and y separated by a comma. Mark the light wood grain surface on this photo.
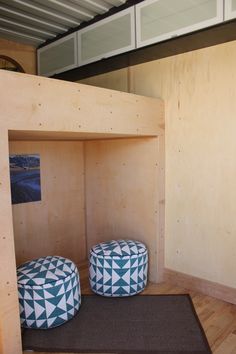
<point>58,220</point>
<point>198,89</point>
<point>36,104</point>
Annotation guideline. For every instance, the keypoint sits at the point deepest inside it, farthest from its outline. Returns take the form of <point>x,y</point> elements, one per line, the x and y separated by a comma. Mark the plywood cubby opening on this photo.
<point>92,191</point>
<point>102,177</point>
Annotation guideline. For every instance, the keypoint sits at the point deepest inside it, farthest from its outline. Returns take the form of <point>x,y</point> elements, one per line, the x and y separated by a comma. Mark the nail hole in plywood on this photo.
<point>39,84</point>
<point>40,104</point>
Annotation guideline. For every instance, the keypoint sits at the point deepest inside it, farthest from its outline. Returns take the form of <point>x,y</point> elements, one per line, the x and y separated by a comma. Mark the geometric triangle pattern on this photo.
<point>48,297</point>
<point>45,270</point>
<point>119,248</point>
<point>123,274</point>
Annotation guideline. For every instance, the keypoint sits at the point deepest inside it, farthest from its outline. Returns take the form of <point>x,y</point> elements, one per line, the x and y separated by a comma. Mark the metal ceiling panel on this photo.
<point>23,17</point>
<point>36,21</point>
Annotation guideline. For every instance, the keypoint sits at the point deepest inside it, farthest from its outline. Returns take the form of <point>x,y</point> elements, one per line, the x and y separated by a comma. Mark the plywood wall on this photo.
<point>200,99</point>
<point>24,54</point>
<point>122,196</point>
<point>10,337</point>
<point>119,79</point>
<point>56,224</point>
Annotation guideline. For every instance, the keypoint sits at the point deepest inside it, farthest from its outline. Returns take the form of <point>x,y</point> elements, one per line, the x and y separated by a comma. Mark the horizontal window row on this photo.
<point>150,21</point>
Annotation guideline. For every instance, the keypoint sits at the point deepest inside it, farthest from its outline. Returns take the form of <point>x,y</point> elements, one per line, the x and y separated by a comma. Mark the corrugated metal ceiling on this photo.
<point>36,21</point>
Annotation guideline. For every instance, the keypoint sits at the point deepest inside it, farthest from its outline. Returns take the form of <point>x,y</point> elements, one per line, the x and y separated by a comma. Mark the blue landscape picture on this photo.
<point>25,178</point>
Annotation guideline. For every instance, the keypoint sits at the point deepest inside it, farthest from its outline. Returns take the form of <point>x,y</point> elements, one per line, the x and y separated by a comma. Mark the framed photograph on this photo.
<point>25,178</point>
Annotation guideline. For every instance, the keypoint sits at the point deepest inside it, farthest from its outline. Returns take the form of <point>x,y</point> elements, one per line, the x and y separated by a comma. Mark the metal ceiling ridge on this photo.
<point>20,34</point>
<point>46,10</point>
<point>34,29</point>
<point>113,10</point>
<point>32,18</point>
<point>77,9</point>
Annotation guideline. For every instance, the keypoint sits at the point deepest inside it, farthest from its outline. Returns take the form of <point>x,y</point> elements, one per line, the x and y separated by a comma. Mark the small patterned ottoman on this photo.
<point>118,268</point>
<point>49,292</point>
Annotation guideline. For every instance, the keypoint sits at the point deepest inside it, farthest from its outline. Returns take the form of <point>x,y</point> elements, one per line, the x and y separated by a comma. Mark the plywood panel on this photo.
<point>10,338</point>
<point>55,225</point>
<point>118,79</point>
<point>122,198</point>
<point>199,90</point>
<point>58,106</point>
<point>30,103</point>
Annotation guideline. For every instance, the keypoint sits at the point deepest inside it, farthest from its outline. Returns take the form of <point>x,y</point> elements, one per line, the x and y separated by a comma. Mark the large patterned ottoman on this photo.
<point>49,292</point>
<point>118,268</point>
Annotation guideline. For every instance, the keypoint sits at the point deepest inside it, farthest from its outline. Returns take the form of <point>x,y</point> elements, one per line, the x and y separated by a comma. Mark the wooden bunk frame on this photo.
<point>36,108</point>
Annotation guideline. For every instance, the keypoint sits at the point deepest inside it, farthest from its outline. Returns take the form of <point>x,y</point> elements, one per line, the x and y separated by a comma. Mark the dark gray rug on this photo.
<point>161,324</point>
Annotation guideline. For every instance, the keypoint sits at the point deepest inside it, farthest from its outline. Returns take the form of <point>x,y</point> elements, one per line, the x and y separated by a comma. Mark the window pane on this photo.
<point>106,38</point>
<point>57,57</point>
<point>165,16</point>
<point>233,5</point>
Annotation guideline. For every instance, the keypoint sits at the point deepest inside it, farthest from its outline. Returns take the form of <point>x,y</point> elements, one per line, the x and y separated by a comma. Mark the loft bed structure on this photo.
<point>102,178</point>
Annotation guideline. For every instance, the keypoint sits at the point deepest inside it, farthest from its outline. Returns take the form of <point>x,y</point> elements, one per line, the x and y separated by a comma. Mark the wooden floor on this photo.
<point>218,318</point>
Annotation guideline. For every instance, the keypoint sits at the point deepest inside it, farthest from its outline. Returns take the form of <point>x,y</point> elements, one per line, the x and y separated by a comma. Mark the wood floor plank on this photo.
<point>228,346</point>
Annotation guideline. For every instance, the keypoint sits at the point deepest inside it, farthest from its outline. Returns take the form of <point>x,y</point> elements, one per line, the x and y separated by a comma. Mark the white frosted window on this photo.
<point>230,9</point>
<point>233,5</point>
<point>161,19</point>
<point>109,37</point>
<point>57,57</point>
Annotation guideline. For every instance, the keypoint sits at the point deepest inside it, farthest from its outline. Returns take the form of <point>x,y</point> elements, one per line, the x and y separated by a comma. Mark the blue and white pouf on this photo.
<point>118,268</point>
<point>49,292</point>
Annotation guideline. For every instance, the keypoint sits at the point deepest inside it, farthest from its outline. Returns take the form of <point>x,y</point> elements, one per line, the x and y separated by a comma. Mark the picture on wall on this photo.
<point>25,178</point>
